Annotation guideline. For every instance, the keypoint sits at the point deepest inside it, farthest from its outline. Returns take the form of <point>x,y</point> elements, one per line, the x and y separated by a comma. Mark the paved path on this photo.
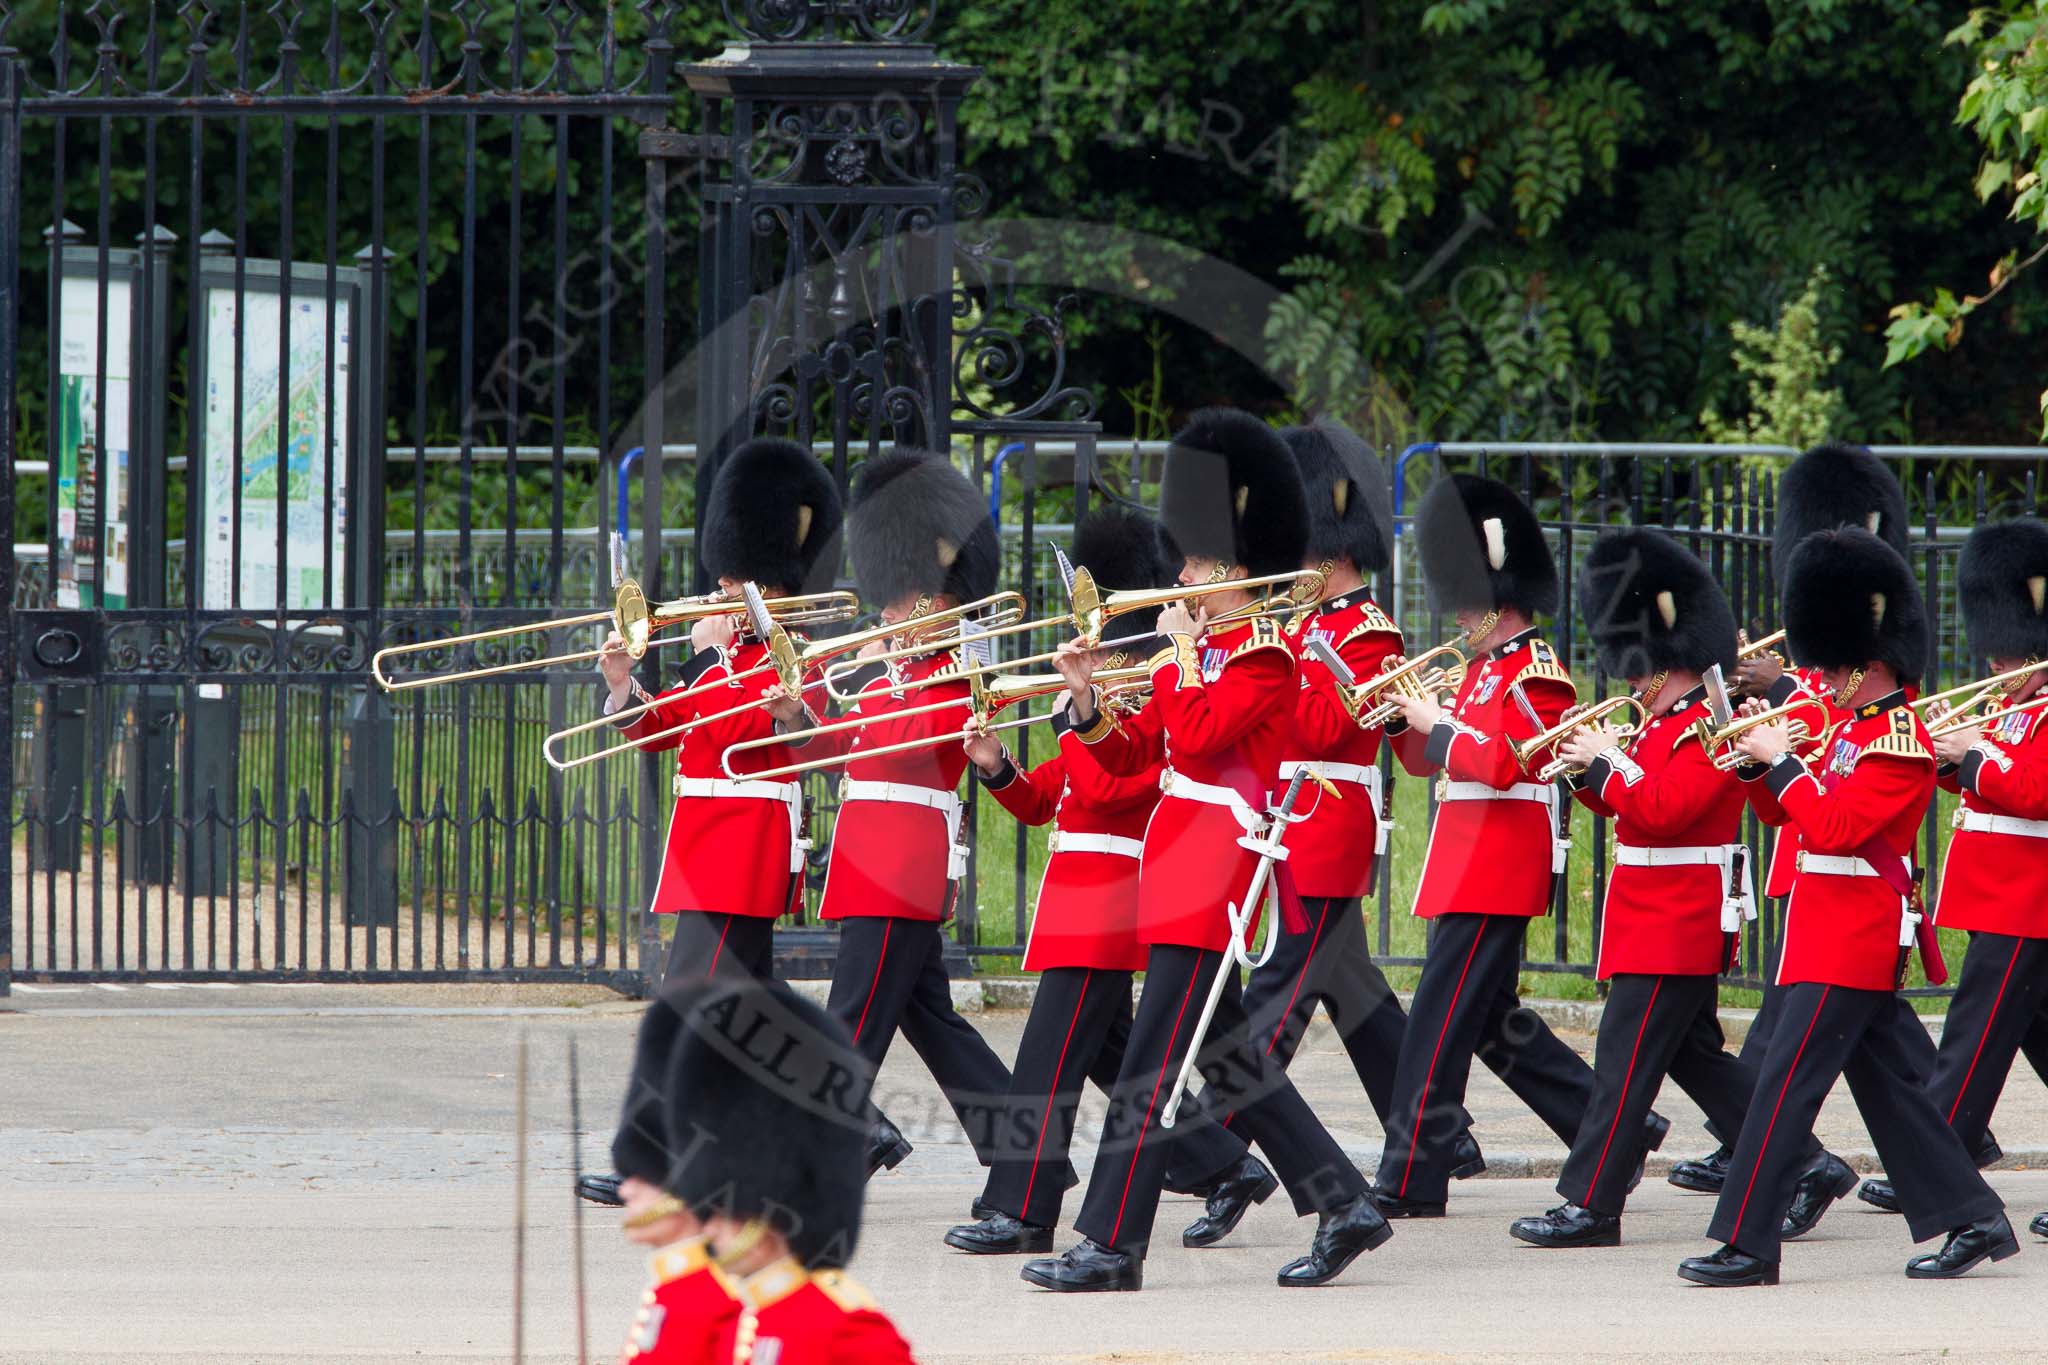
<point>234,1187</point>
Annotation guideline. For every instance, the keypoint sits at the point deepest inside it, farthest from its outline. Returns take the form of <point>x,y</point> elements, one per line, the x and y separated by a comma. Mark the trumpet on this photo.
<point>1964,714</point>
<point>1722,739</point>
<point>789,663</point>
<point>1578,718</point>
<point>1756,649</point>
<point>1418,678</point>
<point>635,619</point>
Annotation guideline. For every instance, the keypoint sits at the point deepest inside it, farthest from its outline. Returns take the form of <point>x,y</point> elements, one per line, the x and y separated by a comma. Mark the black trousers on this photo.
<point>1466,1005</point>
<point>1131,1159</point>
<point>1652,1026</point>
<point>711,943</point>
<point>889,975</point>
<point>1079,1029</point>
<point>1825,1032</point>
<point>2001,997</point>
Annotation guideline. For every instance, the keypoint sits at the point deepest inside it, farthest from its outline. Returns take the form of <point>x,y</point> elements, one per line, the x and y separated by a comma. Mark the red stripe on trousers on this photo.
<point>876,984</point>
<point>1790,1071</point>
<point>1429,1076</point>
<point>1626,1077</point>
<point>712,970</point>
<point>1281,1027</point>
<point>1117,1228</point>
<point>1052,1096</point>
<point>1985,1036</point>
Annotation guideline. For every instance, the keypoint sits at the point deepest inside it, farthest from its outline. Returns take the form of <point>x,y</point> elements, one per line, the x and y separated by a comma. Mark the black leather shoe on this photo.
<point>1466,1158</point>
<point>886,1146</point>
<point>1820,1185</point>
<point>1568,1225</point>
<point>1251,1183</point>
<point>1000,1235</point>
<point>1704,1176</point>
<point>1088,1268</point>
<point>1967,1247</point>
<point>981,1209</point>
<point>1193,1189</point>
<point>2039,1227</point>
<point>601,1189</point>
<point>1342,1236</point>
<point>1394,1206</point>
<point>1654,1129</point>
<point>1728,1269</point>
<point>1879,1194</point>
<point>1988,1153</point>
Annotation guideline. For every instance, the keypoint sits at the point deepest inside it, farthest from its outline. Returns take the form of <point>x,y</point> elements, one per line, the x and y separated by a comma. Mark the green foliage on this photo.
<point>1787,366</point>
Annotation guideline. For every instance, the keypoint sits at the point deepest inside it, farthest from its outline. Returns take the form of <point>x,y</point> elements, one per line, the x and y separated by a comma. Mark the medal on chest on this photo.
<point>1488,685</point>
<point>1212,663</point>
<point>1842,758</point>
<point>2013,728</point>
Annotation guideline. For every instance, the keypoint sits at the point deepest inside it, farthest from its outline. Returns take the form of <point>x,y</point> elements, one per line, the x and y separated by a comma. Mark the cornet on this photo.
<point>1578,718</point>
<point>1963,715</point>
<point>1756,649</point>
<point>1719,744</point>
<point>1417,678</point>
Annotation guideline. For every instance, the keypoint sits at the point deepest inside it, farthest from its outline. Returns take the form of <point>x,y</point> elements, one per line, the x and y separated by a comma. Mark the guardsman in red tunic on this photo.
<point>1495,846</point>
<point>768,1123</point>
<point>1084,933</point>
<point>1231,499</point>
<point>1853,610</point>
<point>1680,888</point>
<point>689,1302</point>
<point>1994,878</point>
<point>733,859</point>
<point>920,539</point>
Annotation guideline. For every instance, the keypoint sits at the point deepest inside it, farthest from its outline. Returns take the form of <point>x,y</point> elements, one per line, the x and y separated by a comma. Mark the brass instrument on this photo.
<point>1578,718</point>
<point>1963,715</point>
<point>1756,649</point>
<point>788,663</point>
<point>1119,686</point>
<point>1417,678</point>
<point>635,619</point>
<point>1801,733</point>
<point>1090,613</point>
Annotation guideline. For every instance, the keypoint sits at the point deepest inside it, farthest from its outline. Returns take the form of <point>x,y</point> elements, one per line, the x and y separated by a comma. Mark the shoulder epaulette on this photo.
<point>843,1290</point>
<point>1375,622</point>
<point>1265,634</point>
<point>1902,740</point>
<point>1543,666</point>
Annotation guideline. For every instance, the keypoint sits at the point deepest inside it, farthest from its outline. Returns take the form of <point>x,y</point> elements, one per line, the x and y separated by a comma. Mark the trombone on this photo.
<point>1800,732</point>
<point>1417,678</point>
<point>1090,613</point>
<point>1578,718</point>
<point>790,667</point>
<point>635,619</point>
<point>1962,715</point>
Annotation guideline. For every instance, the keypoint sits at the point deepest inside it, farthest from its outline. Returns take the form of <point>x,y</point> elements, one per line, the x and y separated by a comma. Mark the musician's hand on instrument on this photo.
<point>1421,713</point>
<point>784,707</point>
<point>871,649</point>
<point>1176,619</point>
<point>1075,662</point>
<point>1949,748</point>
<point>1762,743</point>
<point>1755,706</point>
<point>616,666</point>
<point>713,632</point>
<point>984,750</point>
<point>1583,745</point>
<point>1753,677</point>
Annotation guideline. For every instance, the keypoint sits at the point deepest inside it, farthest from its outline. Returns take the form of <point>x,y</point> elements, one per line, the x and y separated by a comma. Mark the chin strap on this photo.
<point>1483,629</point>
<point>1849,688</point>
<point>750,1235</point>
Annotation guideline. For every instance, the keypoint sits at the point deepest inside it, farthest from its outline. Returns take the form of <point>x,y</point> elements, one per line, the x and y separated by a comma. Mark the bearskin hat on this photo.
<point>1483,549</point>
<point>773,517</point>
<point>2002,581</point>
<point>915,524</point>
<point>1849,600</point>
<point>768,1114</point>
<point>1350,513</point>
<point>1230,491</point>
<point>1121,548</point>
<point>640,1146</point>
<point>1651,605</point>
<point>1836,485</point>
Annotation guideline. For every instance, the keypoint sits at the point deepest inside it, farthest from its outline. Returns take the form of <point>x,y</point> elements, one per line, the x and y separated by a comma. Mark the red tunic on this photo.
<point>1796,684</point>
<point>1087,911</point>
<point>1490,857</point>
<point>890,858</point>
<point>1997,880</point>
<point>1665,794</point>
<point>1213,719</point>
<point>728,854</point>
<point>1332,852</point>
<point>1844,930</point>
<point>787,1317</point>
<point>687,1309</point>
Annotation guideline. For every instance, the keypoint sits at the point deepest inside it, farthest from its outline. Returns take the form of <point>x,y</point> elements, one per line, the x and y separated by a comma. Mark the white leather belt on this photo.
<point>788,793</point>
<point>1542,793</point>
<point>1364,774</point>
<point>1738,902</point>
<point>1984,822</point>
<point>910,794</point>
<point>1209,794</point>
<point>1831,865</point>
<point>1069,841</point>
